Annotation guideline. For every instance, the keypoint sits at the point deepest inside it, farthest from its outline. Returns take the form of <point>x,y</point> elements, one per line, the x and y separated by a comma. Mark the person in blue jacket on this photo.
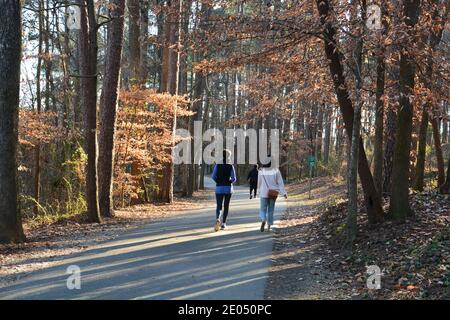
<point>224,175</point>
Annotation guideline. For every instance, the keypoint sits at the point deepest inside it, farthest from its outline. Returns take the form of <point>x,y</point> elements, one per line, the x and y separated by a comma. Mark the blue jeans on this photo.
<point>223,198</point>
<point>266,209</point>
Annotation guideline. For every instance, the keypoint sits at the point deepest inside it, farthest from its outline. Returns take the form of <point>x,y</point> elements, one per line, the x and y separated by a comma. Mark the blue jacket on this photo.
<point>224,175</point>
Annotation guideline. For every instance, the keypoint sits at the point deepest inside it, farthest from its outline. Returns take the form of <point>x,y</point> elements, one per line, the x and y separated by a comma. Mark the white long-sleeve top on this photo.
<point>270,178</point>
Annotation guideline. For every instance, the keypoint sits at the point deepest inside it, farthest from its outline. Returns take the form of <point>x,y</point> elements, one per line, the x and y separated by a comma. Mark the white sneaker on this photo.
<point>224,226</point>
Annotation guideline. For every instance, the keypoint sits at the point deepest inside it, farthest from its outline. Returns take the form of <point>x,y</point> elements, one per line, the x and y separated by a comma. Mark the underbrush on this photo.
<point>414,256</point>
<point>56,211</point>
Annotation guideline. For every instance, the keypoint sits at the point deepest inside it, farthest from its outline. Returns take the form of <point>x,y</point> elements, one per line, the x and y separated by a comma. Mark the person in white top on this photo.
<point>270,181</point>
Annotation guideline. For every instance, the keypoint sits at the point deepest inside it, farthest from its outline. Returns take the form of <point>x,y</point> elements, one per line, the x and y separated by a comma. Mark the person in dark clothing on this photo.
<point>252,179</point>
<point>224,175</point>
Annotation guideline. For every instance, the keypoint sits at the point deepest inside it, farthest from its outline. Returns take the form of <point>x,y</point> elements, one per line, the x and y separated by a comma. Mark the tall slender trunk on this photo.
<point>183,171</point>
<point>62,44</point>
<point>88,76</point>
<point>108,108</point>
<point>445,188</point>
<point>399,202</point>
<point>445,124</point>
<point>319,131</point>
<point>165,56</point>
<point>435,36</point>
<point>340,139</point>
<point>390,127</point>
<point>197,116</point>
<point>327,138</point>
<point>77,106</point>
<point>48,58</point>
<point>352,176</point>
<point>413,153</point>
<point>420,165</point>
<point>371,195</point>
<point>389,144</point>
<point>160,16</point>
<point>143,51</point>
<point>438,150</point>
<point>133,39</point>
<point>379,126</point>
<point>173,27</point>
<point>10,56</point>
<point>37,148</point>
<point>205,125</point>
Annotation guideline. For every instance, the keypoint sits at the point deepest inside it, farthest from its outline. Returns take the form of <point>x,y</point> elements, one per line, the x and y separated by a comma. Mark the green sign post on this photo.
<point>312,165</point>
<point>311,161</point>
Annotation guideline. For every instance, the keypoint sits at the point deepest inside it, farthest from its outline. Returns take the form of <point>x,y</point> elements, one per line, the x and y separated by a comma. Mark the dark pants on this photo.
<point>253,187</point>
<point>222,199</point>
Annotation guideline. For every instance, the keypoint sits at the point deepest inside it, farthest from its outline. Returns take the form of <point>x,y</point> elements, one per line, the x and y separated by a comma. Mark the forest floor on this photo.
<point>47,244</point>
<point>309,261</point>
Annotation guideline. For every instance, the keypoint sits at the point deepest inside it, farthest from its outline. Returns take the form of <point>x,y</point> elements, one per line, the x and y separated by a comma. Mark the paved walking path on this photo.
<point>179,258</point>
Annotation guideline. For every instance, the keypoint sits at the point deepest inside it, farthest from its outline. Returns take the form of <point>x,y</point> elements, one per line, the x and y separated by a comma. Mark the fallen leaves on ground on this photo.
<point>414,257</point>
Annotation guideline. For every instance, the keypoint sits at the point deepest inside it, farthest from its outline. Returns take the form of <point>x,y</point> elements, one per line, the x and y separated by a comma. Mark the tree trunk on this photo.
<point>88,76</point>
<point>37,150</point>
<point>327,139</point>
<point>339,139</point>
<point>143,51</point>
<point>133,39</point>
<point>445,124</point>
<point>352,177</point>
<point>77,106</point>
<point>390,132</point>
<point>372,198</point>
<point>183,171</point>
<point>205,125</point>
<point>379,127</point>
<point>48,59</point>
<point>319,131</point>
<point>393,93</point>
<point>434,40</point>
<point>399,203</point>
<point>10,56</point>
<point>173,27</point>
<point>420,165</point>
<point>445,188</point>
<point>108,108</point>
<point>413,152</point>
<point>438,150</point>
<point>197,116</point>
